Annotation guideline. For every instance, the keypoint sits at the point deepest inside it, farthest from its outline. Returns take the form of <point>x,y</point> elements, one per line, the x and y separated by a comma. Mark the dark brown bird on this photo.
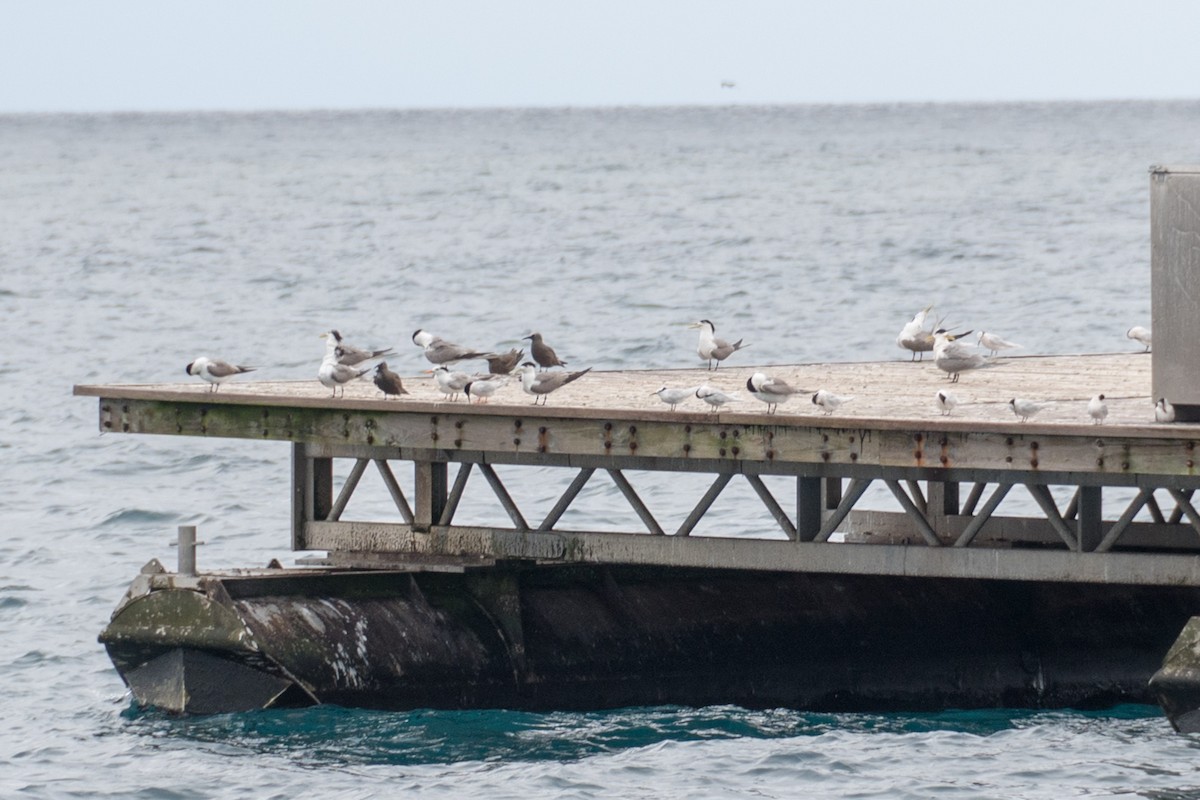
<point>388,382</point>
<point>503,363</point>
<point>543,353</point>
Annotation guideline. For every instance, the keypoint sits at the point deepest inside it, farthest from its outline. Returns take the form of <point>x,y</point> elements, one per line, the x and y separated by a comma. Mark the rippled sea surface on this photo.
<point>133,243</point>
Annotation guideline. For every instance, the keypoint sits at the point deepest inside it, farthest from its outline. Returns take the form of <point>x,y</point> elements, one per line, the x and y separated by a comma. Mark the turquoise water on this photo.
<point>133,243</point>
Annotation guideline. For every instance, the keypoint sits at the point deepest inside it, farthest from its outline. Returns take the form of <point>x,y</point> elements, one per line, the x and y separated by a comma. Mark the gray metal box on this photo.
<point>1175,286</point>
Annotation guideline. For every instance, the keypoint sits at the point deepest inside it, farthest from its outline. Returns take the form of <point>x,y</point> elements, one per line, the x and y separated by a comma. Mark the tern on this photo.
<point>481,389</point>
<point>215,371</point>
<point>335,375</point>
<point>450,383</point>
<point>438,351</point>
<point>541,384</point>
<point>674,397</point>
<point>503,363</point>
<point>543,353</point>
<point>388,382</point>
<point>1026,408</point>
<point>953,357</point>
<point>1164,411</point>
<point>828,401</point>
<point>1097,409</point>
<point>714,397</point>
<point>347,353</point>
<point>914,337</point>
<point>771,391</point>
<point>945,402</point>
<point>994,343</point>
<point>1140,335</point>
<point>711,348</point>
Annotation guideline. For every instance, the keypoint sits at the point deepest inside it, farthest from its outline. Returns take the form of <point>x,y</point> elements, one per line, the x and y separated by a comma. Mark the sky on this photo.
<point>152,55</point>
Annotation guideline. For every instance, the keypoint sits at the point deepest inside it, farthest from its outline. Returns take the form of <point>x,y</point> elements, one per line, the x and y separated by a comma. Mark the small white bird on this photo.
<point>1140,335</point>
<point>1098,409</point>
<point>711,348</point>
<point>945,402</point>
<point>771,391</point>
<point>483,388</point>
<point>450,383</point>
<point>828,401</point>
<point>994,344</point>
<point>714,397</point>
<point>1026,408</point>
<point>1164,411</point>
<point>674,397</point>
<point>335,375</point>
<point>215,371</point>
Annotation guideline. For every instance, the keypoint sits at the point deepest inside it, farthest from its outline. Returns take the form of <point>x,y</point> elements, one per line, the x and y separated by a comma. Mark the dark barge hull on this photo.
<point>526,636</point>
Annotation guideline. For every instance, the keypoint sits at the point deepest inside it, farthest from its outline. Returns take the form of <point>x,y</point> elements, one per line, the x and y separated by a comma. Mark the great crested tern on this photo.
<point>541,384</point>
<point>388,382</point>
<point>347,353</point>
<point>1098,409</point>
<point>1026,408</point>
<point>953,356</point>
<point>771,391</point>
<point>335,375</point>
<point>674,397</point>
<point>711,348</point>
<point>1140,335</point>
<point>438,351</point>
<point>714,397</point>
<point>215,371</point>
<point>543,353</point>
<point>828,401</point>
<point>994,344</point>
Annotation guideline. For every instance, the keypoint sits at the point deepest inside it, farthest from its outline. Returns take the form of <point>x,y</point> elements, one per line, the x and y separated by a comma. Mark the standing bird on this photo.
<point>388,382</point>
<point>543,353</point>
<point>438,351</point>
<point>503,363</point>
<point>771,391</point>
<point>913,336</point>
<point>347,353</point>
<point>481,389</point>
<point>994,343</point>
<point>450,383</point>
<point>674,397</point>
<point>1026,408</point>
<point>945,402</point>
<point>711,348</point>
<point>1140,335</point>
<point>828,401</point>
<point>1164,411</point>
<point>714,397</point>
<point>335,375</point>
<point>952,356</point>
<point>215,371</point>
<point>1098,409</point>
<point>541,384</point>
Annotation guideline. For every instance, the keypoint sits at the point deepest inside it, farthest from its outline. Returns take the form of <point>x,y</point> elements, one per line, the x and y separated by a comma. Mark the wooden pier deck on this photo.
<point>609,422</point>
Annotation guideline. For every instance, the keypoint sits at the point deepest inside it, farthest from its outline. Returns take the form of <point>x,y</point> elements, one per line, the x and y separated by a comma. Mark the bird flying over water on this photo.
<point>1140,335</point>
<point>215,371</point>
<point>711,348</point>
<point>541,384</point>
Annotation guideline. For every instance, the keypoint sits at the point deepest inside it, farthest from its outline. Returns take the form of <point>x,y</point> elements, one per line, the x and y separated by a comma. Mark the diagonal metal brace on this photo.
<point>1041,494</point>
<point>502,495</point>
<point>1118,528</point>
<point>644,513</point>
<point>857,487</point>
<point>705,503</point>
<point>567,498</point>
<point>343,498</point>
<point>979,520</point>
<point>914,513</point>
<point>394,490</point>
<point>772,505</point>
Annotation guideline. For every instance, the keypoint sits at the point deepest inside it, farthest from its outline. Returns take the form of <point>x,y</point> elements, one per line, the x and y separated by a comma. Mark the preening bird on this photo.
<point>543,353</point>
<point>1164,411</point>
<point>347,353</point>
<point>503,363</point>
<point>1140,335</point>
<point>1026,408</point>
<point>711,348</point>
<point>945,402</point>
<point>438,351</point>
<point>674,397</point>
<point>771,391</point>
<point>1097,409</point>
<point>994,344</point>
<point>953,356</point>
<point>215,371</point>
<point>828,401</point>
<point>541,384</point>
<point>388,382</point>
<point>714,397</point>
<point>914,337</point>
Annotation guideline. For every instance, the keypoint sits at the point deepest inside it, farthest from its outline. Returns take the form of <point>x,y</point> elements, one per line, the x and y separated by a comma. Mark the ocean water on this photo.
<point>133,243</point>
